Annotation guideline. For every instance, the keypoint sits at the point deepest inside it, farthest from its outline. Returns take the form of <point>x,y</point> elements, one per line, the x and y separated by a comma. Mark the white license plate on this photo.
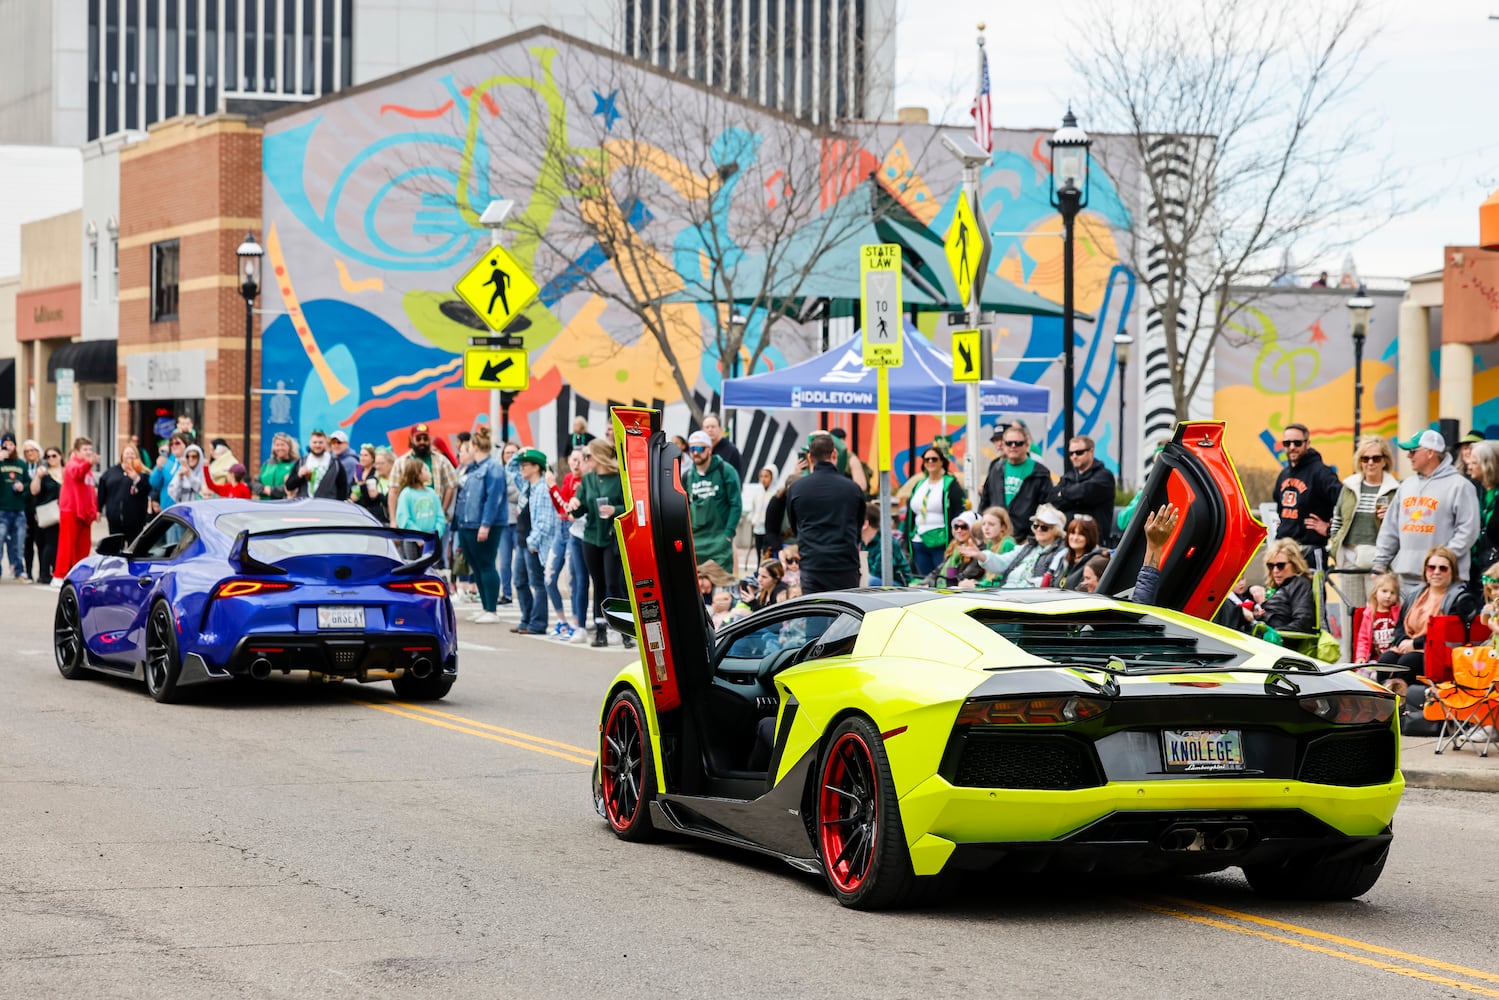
<point>340,616</point>
<point>1203,750</point>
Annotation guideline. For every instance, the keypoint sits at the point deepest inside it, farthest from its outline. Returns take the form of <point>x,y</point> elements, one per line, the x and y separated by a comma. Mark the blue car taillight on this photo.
<point>429,587</point>
<point>248,588</point>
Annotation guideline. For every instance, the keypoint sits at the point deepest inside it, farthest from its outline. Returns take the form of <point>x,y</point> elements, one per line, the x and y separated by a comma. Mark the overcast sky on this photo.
<point>1429,101</point>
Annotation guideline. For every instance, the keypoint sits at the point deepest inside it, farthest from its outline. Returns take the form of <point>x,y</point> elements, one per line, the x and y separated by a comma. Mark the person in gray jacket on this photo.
<point>1436,506</point>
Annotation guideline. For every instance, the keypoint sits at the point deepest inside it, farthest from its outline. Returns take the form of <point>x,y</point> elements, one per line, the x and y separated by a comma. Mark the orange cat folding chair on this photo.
<point>1468,705</point>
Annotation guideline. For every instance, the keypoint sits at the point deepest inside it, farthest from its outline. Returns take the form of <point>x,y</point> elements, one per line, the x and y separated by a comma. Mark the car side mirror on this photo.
<point>620,616</point>
<point>112,545</point>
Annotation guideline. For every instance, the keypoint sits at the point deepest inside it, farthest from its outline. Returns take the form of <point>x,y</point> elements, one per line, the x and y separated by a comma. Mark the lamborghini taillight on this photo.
<point>1056,711</point>
<point>428,587</point>
<point>1351,709</point>
<point>247,588</point>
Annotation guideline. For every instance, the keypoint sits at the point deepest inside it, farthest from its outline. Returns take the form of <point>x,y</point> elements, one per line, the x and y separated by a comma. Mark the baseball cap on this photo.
<point>7,438</point>
<point>1424,439</point>
<point>420,429</point>
<point>534,456</point>
<point>1048,514</point>
<point>968,517</point>
<point>699,438</point>
<point>1472,437</point>
<point>339,436</point>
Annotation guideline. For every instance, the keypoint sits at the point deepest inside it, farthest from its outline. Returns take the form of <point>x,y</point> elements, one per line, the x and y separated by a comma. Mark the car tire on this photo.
<point>163,665</point>
<point>627,769</point>
<point>67,637</point>
<point>433,687</point>
<point>858,832</point>
<point>1311,879</point>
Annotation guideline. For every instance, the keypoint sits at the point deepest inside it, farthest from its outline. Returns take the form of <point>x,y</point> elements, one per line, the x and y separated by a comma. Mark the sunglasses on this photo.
<point>1014,444</point>
<point>960,526</point>
<point>1080,451</point>
<point>791,561</point>
<point>931,459</point>
<point>1042,526</point>
<point>697,449</point>
<point>1293,442</point>
<point>1277,565</point>
<point>1371,458</point>
<point>1438,568</point>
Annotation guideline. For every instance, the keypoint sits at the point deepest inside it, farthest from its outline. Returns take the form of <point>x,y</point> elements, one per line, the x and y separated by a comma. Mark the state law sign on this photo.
<point>880,317</point>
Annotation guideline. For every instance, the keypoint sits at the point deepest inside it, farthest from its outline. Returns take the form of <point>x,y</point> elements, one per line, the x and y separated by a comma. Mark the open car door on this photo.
<point>655,539</point>
<point>1216,536</point>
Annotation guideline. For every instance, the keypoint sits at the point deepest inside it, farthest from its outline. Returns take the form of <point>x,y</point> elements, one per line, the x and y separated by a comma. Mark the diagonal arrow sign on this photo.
<point>967,357</point>
<point>492,370</point>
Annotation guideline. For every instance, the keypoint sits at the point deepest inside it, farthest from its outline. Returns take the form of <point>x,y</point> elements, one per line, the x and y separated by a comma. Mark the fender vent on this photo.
<point>1352,759</point>
<point>1025,760</point>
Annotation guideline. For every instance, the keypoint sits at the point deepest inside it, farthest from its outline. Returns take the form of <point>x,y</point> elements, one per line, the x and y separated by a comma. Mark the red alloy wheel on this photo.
<point>622,764</point>
<point>848,812</point>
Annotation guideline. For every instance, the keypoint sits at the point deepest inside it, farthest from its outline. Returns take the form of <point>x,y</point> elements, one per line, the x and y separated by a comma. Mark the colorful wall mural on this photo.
<point>371,202</point>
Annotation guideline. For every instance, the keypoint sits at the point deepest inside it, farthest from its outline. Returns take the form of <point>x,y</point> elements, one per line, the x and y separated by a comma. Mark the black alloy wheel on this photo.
<point>626,770</point>
<point>163,666</point>
<point>860,838</point>
<point>67,636</point>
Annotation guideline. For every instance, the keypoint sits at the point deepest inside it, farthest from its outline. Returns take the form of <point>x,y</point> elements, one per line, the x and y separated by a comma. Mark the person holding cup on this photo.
<point>1356,519</point>
<point>600,498</point>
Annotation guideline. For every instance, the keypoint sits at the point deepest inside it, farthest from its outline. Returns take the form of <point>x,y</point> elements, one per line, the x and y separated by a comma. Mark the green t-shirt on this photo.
<point>13,475</point>
<point>1015,475</point>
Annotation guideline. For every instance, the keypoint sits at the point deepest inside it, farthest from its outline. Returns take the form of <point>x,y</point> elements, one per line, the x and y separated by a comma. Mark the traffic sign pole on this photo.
<point>881,318</point>
<point>494,394</point>
<point>971,450</point>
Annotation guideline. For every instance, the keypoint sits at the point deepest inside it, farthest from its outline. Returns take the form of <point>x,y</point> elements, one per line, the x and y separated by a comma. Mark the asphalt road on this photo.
<point>298,840</point>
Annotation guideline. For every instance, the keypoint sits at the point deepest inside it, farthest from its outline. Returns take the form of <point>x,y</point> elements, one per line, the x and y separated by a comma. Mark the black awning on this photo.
<point>7,383</point>
<point>91,361</point>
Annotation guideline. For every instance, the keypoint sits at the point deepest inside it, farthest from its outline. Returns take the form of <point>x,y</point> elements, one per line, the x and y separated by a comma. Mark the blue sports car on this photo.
<point>229,589</point>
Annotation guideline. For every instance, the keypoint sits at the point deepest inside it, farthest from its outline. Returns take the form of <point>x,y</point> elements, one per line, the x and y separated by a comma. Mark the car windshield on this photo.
<point>1112,637</point>
<point>315,543</point>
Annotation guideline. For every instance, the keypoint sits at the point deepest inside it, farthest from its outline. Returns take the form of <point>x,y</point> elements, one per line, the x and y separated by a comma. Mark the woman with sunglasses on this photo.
<point>1360,512</point>
<point>936,501</point>
<point>1443,594</point>
<point>1080,545</point>
<point>1035,563</point>
<point>1288,603</point>
<point>960,565</point>
<point>46,488</point>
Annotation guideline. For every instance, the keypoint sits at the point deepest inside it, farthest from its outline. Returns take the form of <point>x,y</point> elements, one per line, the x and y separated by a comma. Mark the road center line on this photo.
<point>496,729</point>
<point>1335,939</point>
<point>484,736</point>
<point>1399,970</point>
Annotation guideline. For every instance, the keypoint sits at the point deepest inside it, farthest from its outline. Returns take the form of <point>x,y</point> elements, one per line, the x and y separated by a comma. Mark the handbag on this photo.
<point>48,514</point>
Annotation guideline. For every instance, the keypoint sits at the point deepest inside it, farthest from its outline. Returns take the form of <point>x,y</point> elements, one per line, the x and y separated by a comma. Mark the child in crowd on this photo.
<point>423,510</point>
<point>1377,629</point>
<point>236,487</point>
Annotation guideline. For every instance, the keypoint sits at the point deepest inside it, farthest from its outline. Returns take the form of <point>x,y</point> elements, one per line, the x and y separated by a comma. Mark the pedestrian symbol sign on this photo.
<point>964,244</point>
<point>879,273</point>
<point>503,368</point>
<point>968,356</point>
<point>496,288</point>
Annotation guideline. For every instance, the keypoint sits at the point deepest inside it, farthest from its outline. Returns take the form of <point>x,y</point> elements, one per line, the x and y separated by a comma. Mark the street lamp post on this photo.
<point>1359,308</point>
<point>738,323</point>
<point>249,253</point>
<point>1122,342</point>
<point>1069,195</point>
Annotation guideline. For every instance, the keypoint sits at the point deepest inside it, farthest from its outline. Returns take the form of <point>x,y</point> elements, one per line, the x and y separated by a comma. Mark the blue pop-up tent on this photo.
<point>838,381</point>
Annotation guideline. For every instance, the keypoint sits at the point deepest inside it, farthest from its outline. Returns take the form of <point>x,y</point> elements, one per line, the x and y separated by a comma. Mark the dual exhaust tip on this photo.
<point>420,668</point>
<point>1212,839</point>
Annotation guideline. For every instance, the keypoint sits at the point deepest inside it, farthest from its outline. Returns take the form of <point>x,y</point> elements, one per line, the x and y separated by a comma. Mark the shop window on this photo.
<point>164,272</point>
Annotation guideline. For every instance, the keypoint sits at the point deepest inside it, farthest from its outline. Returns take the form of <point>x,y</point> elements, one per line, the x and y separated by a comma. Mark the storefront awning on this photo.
<point>7,383</point>
<point>91,361</point>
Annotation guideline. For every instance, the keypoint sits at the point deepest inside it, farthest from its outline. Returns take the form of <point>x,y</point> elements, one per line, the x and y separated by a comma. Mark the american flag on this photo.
<point>982,122</point>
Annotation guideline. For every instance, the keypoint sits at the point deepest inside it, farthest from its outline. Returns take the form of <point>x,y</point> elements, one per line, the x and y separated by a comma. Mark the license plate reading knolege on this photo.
<point>1202,750</point>
<point>340,616</point>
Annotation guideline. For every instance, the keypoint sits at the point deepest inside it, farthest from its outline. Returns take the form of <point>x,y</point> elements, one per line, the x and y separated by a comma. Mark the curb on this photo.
<point>1462,779</point>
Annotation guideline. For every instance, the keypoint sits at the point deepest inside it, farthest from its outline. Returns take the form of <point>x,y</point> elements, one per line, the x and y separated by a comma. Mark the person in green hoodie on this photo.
<point>599,499</point>
<point>273,471</point>
<point>713,492</point>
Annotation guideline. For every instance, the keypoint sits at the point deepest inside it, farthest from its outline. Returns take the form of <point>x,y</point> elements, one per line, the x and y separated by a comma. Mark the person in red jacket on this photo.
<point>78,506</point>
<point>236,487</point>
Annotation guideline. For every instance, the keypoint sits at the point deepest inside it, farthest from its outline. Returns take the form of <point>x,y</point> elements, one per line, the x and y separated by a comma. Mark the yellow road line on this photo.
<point>1335,939</point>
<point>1399,970</point>
<point>496,729</point>
<point>482,735</point>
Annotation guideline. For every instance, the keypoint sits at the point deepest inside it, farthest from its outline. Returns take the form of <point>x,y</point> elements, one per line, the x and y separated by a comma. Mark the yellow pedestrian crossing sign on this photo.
<point>505,368</point>
<point>967,356</point>
<point>496,288</point>
<point>879,274</point>
<point>964,244</point>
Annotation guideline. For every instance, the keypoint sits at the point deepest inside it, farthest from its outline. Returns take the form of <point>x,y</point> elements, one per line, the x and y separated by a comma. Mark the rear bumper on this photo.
<point>342,655</point>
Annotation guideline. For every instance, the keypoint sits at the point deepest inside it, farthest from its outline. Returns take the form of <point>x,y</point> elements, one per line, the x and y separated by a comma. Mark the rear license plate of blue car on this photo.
<point>1202,750</point>
<point>340,616</point>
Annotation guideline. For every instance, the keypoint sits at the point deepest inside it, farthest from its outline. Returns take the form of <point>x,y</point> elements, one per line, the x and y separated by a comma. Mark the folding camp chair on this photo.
<point>1468,705</point>
<point>1321,644</point>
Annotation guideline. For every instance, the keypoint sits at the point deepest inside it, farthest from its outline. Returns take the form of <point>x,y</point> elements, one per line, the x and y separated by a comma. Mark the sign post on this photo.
<point>497,289</point>
<point>968,245</point>
<point>881,317</point>
<point>64,401</point>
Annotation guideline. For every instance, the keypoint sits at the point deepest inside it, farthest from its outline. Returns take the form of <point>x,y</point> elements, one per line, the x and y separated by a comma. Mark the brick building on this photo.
<point>188,195</point>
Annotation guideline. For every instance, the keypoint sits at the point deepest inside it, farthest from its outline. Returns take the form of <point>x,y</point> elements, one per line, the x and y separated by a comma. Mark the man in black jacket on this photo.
<point>1087,487</point>
<point>1016,481</point>
<point>826,511</point>
<point>319,475</point>
<point>1306,493</point>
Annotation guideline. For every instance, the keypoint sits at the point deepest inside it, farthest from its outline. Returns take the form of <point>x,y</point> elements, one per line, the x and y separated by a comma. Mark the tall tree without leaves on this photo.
<point>705,205</point>
<point>1234,115</point>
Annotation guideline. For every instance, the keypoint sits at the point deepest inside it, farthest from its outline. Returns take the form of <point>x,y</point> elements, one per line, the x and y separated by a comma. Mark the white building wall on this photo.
<point>101,215</point>
<point>36,182</point>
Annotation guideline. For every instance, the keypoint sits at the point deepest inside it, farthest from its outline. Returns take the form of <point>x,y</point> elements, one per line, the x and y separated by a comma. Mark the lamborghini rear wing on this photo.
<point>419,549</point>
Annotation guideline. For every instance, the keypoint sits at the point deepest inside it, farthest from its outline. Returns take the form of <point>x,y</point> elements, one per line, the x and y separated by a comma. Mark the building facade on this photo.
<point>47,322</point>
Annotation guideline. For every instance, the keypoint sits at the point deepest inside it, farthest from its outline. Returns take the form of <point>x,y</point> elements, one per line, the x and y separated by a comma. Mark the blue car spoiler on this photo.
<point>241,559</point>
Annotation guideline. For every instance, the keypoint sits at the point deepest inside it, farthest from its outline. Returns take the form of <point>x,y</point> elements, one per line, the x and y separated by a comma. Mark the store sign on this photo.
<point>167,375</point>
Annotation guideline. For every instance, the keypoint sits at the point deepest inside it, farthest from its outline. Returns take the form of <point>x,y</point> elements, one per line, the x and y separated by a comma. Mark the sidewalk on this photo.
<point>1456,770</point>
